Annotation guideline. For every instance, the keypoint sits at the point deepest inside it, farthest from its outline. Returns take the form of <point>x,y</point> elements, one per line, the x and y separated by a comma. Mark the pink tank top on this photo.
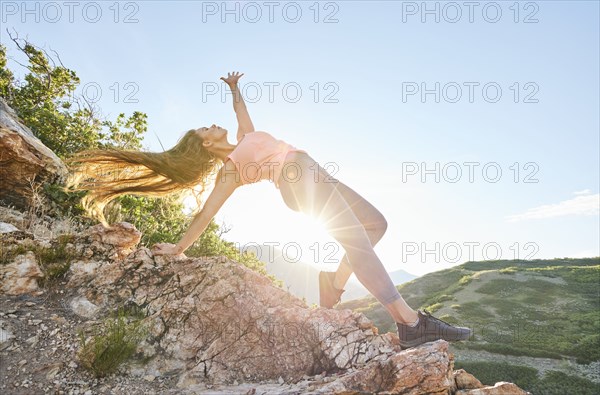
<point>259,156</point>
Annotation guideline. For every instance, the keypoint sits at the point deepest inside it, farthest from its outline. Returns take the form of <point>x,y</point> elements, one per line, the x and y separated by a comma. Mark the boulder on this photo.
<point>21,275</point>
<point>23,159</point>
<point>466,381</point>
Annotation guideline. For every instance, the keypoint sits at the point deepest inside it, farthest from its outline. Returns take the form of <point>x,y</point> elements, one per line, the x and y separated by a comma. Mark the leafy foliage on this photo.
<point>46,102</point>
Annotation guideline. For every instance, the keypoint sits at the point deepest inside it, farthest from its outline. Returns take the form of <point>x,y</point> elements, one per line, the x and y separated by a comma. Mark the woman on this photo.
<point>304,186</point>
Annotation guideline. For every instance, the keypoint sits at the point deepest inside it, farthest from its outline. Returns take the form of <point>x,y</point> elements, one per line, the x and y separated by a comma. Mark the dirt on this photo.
<point>38,345</point>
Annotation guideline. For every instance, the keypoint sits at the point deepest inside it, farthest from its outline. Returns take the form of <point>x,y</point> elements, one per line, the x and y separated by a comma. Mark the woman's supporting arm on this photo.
<point>244,122</point>
<point>225,184</point>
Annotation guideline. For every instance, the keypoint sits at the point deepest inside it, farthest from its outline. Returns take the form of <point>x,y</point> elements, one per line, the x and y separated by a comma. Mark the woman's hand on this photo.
<point>167,249</point>
<point>232,78</point>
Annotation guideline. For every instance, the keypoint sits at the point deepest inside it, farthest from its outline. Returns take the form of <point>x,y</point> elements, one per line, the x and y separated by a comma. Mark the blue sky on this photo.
<point>362,65</point>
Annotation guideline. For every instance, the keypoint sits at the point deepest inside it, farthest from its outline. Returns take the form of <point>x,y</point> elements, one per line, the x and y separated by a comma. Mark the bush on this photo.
<point>112,344</point>
<point>587,349</point>
<point>47,104</point>
<point>434,307</point>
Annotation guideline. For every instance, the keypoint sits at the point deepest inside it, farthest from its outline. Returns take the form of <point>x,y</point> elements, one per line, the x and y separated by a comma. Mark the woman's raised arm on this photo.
<point>244,122</point>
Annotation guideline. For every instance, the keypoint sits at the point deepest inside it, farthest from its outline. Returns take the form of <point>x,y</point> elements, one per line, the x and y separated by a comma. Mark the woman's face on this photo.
<point>212,134</point>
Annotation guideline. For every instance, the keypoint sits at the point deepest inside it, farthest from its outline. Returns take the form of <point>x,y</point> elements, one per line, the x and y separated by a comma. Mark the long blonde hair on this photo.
<point>108,173</point>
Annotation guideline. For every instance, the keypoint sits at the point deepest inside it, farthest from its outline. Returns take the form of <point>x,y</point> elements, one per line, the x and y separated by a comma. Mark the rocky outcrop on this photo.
<point>217,326</point>
<point>217,321</point>
<point>23,158</point>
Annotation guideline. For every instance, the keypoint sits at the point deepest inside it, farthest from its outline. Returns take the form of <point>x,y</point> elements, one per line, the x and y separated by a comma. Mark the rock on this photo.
<point>466,381</point>
<point>122,234</point>
<point>7,228</point>
<point>84,308</point>
<point>32,341</point>
<point>80,270</point>
<point>52,370</point>
<point>201,307</point>
<point>501,388</point>
<point>23,157</point>
<point>13,217</point>
<point>10,234</point>
<point>6,336</point>
<point>20,276</point>
<point>120,238</point>
<point>424,369</point>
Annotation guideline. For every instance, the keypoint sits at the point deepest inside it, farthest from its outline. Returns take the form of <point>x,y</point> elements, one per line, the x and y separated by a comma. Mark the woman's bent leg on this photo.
<point>316,194</point>
<point>372,220</point>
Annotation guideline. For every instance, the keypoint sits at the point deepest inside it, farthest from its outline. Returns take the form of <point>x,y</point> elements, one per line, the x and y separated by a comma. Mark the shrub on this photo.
<point>588,349</point>
<point>464,280</point>
<point>112,344</point>
<point>434,307</point>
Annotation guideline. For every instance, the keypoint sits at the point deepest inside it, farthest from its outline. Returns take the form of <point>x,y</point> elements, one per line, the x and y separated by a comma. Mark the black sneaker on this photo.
<point>329,295</point>
<point>430,329</point>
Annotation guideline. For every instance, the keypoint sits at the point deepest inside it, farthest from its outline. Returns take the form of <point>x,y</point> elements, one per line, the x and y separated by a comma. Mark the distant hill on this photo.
<point>302,279</point>
<point>541,315</point>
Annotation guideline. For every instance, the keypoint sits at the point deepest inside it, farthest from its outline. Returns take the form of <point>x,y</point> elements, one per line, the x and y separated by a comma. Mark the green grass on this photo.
<point>476,312</point>
<point>551,383</point>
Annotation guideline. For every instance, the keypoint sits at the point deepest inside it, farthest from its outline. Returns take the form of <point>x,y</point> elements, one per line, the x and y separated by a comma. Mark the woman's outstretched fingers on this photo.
<point>232,78</point>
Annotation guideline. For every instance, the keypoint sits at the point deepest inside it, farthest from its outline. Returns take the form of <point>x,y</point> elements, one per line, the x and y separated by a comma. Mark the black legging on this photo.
<point>307,187</point>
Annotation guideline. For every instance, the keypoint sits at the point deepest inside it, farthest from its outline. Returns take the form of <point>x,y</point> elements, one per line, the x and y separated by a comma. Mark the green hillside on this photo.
<point>541,314</point>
